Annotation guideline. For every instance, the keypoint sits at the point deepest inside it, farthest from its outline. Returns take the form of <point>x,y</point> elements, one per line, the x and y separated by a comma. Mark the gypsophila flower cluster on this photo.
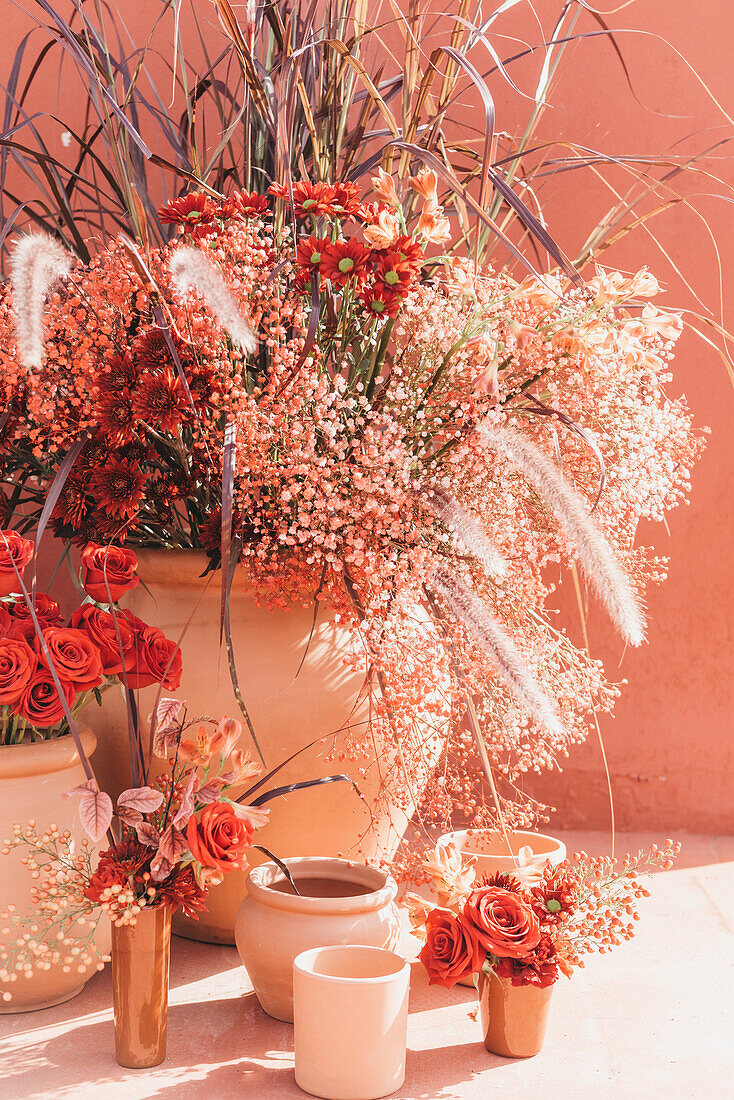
<point>403,424</point>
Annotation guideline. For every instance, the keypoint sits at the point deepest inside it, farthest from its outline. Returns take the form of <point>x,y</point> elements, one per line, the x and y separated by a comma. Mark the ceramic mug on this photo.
<point>350,1021</point>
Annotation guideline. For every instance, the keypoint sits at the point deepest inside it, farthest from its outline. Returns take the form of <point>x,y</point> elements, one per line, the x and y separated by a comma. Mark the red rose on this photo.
<point>47,611</point>
<point>6,622</point>
<point>504,924</point>
<point>108,568</point>
<point>219,838</point>
<point>17,665</point>
<point>40,703</point>
<point>158,659</point>
<point>451,951</point>
<point>100,626</point>
<point>74,655</point>
<point>15,553</point>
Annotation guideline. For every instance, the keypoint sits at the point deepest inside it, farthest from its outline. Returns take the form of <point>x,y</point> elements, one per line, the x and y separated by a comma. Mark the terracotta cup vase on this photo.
<point>341,903</point>
<point>297,689</point>
<point>351,1021</point>
<point>140,961</point>
<point>496,853</point>
<point>33,781</point>
<point>514,1017</point>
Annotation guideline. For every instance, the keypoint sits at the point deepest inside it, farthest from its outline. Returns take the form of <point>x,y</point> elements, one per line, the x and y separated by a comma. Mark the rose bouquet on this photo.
<point>525,928</point>
<point>359,418</point>
<point>169,842</point>
<point>50,670</point>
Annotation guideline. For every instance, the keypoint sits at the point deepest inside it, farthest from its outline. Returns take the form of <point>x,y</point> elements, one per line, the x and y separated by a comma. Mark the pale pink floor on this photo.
<point>652,1020</point>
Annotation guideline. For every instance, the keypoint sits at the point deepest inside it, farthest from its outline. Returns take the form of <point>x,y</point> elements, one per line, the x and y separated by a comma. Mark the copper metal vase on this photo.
<point>140,956</point>
<point>514,1017</point>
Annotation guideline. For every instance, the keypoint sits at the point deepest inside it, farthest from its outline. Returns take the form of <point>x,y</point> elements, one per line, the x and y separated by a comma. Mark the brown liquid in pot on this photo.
<point>322,887</point>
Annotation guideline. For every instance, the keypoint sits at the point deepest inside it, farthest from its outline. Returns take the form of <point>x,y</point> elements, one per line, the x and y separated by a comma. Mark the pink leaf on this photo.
<point>167,712</point>
<point>211,790</point>
<point>147,834</point>
<point>145,799</point>
<point>186,808</point>
<point>160,867</point>
<point>173,844</point>
<point>87,785</point>
<point>128,815</point>
<point>95,812</point>
<point>165,741</point>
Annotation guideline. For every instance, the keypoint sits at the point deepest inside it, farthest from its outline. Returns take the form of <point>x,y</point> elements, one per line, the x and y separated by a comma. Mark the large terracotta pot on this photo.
<point>141,955</point>
<point>514,1017</point>
<point>33,780</point>
<point>288,708</point>
<point>342,903</point>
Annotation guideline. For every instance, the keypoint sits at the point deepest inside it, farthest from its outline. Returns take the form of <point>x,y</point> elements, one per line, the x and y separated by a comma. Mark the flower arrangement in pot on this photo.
<point>361,421</point>
<point>516,935</point>
<point>50,671</point>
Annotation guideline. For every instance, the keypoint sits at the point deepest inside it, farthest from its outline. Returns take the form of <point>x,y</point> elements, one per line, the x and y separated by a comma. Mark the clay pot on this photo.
<point>33,780</point>
<point>514,1017</point>
<point>494,854</point>
<point>350,1022</point>
<point>141,954</point>
<point>289,709</point>
<point>342,903</point>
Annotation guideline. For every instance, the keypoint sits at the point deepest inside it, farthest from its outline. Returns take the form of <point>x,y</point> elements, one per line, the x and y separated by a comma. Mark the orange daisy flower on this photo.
<point>345,260</point>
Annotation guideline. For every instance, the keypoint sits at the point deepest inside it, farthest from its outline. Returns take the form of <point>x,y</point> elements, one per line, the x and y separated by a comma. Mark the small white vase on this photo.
<point>341,903</point>
<point>351,1018</point>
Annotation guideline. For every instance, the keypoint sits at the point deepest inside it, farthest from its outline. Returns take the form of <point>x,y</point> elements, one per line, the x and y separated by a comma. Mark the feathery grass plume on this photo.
<point>37,262</point>
<point>595,555</point>
<point>463,523</point>
<point>190,268</point>
<point>508,660</point>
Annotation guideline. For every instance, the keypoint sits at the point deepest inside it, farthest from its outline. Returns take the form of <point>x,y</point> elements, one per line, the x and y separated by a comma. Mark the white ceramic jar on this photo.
<point>496,853</point>
<point>341,902</point>
<point>351,1022</point>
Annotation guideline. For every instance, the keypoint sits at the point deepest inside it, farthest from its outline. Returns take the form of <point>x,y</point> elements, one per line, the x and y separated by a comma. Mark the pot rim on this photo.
<point>384,888</point>
<point>44,757</point>
<point>303,964</point>
<point>526,837</point>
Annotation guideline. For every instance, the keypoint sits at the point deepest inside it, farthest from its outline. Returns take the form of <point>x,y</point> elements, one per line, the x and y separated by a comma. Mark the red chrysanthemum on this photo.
<point>120,371</point>
<point>310,252</point>
<point>182,891</point>
<point>555,897</point>
<point>118,487</point>
<point>195,213</point>
<point>151,352</point>
<point>394,271</point>
<point>73,502</point>
<point>309,199</point>
<point>380,300</point>
<point>161,401</point>
<point>116,415</point>
<point>539,967</point>
<point>345,260</point>
<point>246,204</point>
<point>412,256</point>
<point>347,197</point>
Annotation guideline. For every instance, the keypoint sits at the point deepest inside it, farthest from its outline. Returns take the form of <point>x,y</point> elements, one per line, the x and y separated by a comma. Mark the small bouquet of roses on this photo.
<point>170,840</point>
<point>50,669</point>
<point>531,926</point>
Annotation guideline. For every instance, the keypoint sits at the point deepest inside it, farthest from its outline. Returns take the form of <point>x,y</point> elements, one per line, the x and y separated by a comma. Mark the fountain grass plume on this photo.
<point>189,268</point>
<point>36,263</point>
<point>595,555</point>
<point>499,647</point>
<point>467,529</point>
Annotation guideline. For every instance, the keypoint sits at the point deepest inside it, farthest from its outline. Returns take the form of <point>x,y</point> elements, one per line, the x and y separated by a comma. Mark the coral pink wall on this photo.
<point>670,744</point>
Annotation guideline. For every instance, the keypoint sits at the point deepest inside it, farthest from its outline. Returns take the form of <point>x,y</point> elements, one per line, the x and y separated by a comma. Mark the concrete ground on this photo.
<point>653,1019</point>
